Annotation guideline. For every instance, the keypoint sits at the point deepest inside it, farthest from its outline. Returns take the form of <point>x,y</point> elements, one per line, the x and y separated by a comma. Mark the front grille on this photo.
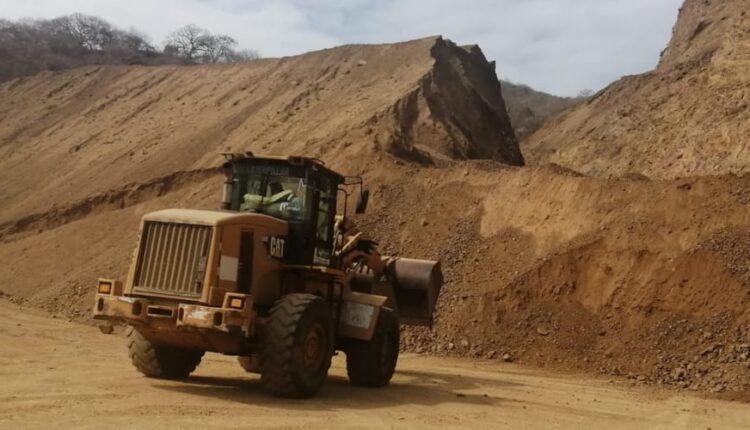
<point>172,258</point>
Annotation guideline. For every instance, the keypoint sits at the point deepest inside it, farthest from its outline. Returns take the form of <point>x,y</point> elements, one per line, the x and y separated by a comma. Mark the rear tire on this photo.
<point>372,363</point>
<point>160,361</point>
<point>298,345</point>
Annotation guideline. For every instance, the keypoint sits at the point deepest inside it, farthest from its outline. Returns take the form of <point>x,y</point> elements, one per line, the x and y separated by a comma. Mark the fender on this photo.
<point>359,314</point>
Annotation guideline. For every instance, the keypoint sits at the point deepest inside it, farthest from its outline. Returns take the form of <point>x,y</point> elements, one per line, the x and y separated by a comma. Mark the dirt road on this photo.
<point>55,374</point>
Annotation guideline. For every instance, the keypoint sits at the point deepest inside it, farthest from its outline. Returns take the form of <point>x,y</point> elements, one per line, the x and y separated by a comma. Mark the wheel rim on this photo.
<point>314,347</point>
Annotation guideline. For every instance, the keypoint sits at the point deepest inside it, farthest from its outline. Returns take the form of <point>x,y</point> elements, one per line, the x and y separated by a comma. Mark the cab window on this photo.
<point>278,196</point>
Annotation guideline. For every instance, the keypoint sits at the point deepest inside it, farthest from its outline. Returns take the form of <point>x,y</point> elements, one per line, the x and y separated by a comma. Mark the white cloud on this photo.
<point>560,46</point>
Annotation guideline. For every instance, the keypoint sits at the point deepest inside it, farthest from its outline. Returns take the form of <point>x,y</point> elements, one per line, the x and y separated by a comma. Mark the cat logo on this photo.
<point>276,247</point>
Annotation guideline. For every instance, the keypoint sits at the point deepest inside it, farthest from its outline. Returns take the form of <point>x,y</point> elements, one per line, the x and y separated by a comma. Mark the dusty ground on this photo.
<point>64,375</point>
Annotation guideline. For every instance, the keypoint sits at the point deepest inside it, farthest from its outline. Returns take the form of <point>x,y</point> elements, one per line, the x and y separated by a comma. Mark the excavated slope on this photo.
<point>636,278</point>
<point>65,137</point>
<point>690,116</point>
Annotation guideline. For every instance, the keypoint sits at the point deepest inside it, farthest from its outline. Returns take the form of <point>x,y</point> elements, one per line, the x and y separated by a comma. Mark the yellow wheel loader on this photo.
<point>275,277</point>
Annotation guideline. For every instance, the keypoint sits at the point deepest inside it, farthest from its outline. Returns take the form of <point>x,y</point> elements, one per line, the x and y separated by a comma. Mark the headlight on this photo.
<point>105,287</point>
<point>236,302</point>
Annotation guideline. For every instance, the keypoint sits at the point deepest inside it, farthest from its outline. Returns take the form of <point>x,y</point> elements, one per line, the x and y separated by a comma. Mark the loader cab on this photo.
<point>298,190</point>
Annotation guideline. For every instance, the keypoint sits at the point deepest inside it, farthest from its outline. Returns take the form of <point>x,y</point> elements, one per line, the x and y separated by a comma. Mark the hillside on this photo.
<point>530,109</point>
<point>690,116</point>
<point>100,128</point>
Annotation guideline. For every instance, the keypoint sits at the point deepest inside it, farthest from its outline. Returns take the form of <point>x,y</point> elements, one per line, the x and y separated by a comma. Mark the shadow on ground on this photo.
<point>420,388</point>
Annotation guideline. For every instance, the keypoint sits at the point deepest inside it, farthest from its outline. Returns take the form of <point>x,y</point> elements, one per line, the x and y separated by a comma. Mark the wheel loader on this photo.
<point>274,277</point>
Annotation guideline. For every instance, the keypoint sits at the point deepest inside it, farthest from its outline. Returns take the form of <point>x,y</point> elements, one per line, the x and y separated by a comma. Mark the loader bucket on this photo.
<point>416,286</point>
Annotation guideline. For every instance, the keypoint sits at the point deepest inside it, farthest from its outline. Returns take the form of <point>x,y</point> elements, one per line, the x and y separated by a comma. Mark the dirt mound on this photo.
<point>623,277</point>
<point>99,128</point>
<point>690,116</point>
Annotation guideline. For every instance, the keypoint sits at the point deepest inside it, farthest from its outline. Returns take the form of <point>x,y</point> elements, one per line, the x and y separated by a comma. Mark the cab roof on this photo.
<point>291,159</point>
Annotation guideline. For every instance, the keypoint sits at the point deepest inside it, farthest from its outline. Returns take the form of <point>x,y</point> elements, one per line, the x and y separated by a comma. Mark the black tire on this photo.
<point>298,345</point>
<point>160,361</point>
<point>372,363</point>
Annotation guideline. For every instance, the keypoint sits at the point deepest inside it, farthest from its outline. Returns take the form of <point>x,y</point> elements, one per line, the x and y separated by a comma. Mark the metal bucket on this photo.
<point>416,286</point>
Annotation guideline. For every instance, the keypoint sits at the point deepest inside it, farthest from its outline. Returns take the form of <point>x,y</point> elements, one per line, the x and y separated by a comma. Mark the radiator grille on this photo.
<point>172,258</point>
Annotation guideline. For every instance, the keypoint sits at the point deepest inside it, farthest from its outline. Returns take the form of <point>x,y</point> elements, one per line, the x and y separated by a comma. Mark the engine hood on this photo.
<point>211,217</point>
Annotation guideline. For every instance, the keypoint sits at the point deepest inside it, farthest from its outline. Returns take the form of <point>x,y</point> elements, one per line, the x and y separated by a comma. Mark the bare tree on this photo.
<point>28,46</point>
<point>132,40</point>
<point>218,49</point>
<point>586,93</point>
<point>188,42</point>
<point>197,45</point>
<point>89,32</point>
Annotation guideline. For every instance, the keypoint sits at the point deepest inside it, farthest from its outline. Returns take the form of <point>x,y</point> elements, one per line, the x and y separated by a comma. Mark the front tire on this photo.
<point>372,363</point>
<point>298,345</point>
<point>160,361</point>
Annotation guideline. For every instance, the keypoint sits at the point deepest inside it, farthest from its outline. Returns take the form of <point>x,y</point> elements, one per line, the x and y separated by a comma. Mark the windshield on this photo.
<point>275,195</point>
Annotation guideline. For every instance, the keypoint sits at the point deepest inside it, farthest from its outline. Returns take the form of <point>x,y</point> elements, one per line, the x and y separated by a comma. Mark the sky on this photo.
<point>557,46</point>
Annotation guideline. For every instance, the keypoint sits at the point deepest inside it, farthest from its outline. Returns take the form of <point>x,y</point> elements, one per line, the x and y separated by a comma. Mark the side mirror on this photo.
<point>364,196</point>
